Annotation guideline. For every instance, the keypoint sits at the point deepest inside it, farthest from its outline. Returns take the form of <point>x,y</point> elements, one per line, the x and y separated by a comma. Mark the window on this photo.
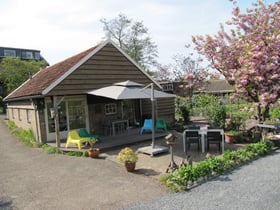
<point>27,55</point>
<point>110,108</point>
<point>62,117</point>
<point>11,53</point>
<point>72,115</point>
<point>167,87</point>
<point>28,115</point>
<point>77,116</point>
<point>37,55</point>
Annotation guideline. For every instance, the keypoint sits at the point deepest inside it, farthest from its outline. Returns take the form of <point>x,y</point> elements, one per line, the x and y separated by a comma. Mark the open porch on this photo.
<point>107,143</point>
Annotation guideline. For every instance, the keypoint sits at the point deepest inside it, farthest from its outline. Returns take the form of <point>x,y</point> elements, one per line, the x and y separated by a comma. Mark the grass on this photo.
<point>27,137</point>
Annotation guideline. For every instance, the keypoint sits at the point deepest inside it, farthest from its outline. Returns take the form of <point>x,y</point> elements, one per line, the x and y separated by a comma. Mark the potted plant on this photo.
<point>93,152</point>
<point>129,158</point>
<point>230,136</point>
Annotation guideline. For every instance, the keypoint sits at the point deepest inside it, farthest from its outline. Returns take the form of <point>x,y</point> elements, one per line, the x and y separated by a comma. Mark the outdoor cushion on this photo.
<point>85,134</point>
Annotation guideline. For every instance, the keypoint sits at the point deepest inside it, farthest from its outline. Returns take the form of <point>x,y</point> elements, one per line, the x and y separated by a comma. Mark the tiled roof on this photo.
<point>218,86</point>
<point>46,77</point>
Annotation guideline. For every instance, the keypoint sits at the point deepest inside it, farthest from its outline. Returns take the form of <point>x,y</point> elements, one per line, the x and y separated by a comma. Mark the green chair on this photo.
<point>160,124</point>
<point>85,134</point>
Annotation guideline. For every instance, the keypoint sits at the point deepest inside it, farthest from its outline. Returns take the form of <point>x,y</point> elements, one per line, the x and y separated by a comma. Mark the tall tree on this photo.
<point>14,71</point>
<point>133,38</point>
<point>248,55</point>
<point>190,73</point>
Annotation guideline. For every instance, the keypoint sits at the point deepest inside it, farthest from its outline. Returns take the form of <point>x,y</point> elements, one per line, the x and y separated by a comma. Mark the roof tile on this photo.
<point>45,77</point>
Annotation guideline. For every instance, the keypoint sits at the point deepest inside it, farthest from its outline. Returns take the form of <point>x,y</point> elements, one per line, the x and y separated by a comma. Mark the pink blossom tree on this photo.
<point>190,73</point>
<point>248,55</point>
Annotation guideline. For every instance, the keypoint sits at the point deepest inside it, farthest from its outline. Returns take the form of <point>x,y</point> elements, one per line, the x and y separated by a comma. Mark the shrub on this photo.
<point>127,155</point>
<point>75,153</point>
<point>51,150</point>
<point>217,115</point>
<point>11,125</point>
<point>185,113</point>
<point>274,112</point>
<point>179,179</point>
<point>85,154</point>
<point>25,136</point>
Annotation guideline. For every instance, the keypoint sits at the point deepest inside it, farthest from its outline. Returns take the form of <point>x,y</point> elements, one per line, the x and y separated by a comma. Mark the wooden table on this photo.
<point>118,122</point>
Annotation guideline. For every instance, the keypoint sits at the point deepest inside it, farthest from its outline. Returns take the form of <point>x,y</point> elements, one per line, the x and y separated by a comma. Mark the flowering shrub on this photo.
<point>127,155</point>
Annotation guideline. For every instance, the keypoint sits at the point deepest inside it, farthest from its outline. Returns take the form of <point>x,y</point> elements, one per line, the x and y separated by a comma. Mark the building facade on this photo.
<point>67,83</point>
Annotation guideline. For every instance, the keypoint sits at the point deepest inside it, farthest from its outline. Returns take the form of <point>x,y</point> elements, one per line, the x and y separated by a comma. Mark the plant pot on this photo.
<point>93,153</point>
<point>130,166</point>
<point>229,138</point>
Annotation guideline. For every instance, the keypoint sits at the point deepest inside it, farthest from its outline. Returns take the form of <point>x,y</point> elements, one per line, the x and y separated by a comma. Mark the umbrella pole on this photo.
<point>153,115</point>
<point>153,149</point>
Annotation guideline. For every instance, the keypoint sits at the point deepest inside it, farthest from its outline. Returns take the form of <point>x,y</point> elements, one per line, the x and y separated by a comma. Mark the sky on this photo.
<point>63,28</point>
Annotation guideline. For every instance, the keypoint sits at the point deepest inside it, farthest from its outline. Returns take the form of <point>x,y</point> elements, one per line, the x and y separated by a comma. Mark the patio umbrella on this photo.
<point>132,90</point>
<point>128,90</point>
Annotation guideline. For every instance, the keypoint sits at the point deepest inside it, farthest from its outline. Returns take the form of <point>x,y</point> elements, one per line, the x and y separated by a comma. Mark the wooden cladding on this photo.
<point>106,67</point>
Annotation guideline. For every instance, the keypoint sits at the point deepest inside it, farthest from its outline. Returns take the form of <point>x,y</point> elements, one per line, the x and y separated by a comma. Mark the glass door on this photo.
<point>76,113</point>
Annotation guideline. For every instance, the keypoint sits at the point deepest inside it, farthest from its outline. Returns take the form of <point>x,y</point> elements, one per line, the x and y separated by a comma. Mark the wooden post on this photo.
<point>56,121</point>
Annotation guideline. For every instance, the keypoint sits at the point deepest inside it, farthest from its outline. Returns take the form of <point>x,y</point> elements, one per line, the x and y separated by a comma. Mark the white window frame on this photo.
<point>110,109</point>
<point>167,87</point>
<point>63,134</point>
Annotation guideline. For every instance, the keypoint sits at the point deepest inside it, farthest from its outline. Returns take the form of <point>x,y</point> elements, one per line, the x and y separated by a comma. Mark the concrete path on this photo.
<point>31,179</point>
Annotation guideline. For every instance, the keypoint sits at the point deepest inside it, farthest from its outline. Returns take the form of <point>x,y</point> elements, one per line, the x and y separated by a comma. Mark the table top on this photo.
<point>119,121</point>
<point>266,126</point>
<point>205,130</point>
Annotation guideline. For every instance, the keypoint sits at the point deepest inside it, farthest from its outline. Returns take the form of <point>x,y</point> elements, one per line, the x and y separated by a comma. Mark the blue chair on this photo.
<point>148,123</point>
<point>160,124</point>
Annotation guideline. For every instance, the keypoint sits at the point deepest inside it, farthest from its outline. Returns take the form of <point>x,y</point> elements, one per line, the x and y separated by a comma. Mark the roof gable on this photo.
<point>47,79</point>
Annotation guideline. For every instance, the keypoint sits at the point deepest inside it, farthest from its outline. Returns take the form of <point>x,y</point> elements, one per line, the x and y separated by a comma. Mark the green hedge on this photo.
<point>186,176</point>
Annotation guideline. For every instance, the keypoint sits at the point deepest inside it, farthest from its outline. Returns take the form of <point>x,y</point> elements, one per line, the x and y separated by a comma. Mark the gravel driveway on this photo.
<point>253,186</point>
<point>31,179</point>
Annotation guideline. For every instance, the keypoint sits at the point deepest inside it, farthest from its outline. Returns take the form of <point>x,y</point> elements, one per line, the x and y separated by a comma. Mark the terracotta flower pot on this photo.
<point>130,166</point>
<point>94,153</point>
<point>229,138</point>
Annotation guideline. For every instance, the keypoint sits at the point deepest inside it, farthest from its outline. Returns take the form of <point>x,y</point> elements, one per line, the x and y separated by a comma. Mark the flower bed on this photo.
<point>187,177</point>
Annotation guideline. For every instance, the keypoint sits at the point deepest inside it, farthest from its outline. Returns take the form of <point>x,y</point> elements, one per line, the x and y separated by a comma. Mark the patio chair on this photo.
<point>214,137</point>
<point>85,134</point>
<point>148,123</point>
<point>192,137</point>
<point>74,138</point>
<point>160,124</point>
